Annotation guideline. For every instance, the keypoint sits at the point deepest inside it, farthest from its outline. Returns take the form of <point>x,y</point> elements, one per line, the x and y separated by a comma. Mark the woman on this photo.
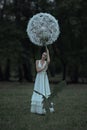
<point>41,87</point>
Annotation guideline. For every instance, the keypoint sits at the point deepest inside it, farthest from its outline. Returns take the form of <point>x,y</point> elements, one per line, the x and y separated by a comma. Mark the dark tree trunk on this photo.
<point>52,70</point>
<point>1,14</point>
<point>20,73</point>
<point>7,70</point>
<point>64,71</point>
<point>27,72</point>
<point>61,57</point>
<point>75,74</point>
<point>1,74</point>
<point>17,11</point>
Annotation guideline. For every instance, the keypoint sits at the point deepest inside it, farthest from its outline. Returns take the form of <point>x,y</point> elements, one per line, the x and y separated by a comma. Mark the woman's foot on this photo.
<point>51,110</point>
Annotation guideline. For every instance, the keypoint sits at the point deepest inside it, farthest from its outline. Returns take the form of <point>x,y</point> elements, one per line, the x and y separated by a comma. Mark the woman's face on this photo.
<point>44,55</point>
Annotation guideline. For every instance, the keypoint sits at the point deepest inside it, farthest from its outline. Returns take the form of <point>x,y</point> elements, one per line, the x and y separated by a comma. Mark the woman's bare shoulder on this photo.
<point>37,61</point>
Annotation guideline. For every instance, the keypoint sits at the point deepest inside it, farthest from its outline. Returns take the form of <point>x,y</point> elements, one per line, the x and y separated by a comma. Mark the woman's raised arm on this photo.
<point>48,55</point>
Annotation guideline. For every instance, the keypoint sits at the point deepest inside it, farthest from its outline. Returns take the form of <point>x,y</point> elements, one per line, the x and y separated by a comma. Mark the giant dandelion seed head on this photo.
<point>43,29</point>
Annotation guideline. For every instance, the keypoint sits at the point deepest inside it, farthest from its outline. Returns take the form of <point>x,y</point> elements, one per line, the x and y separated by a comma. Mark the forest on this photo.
<point>68,53</point>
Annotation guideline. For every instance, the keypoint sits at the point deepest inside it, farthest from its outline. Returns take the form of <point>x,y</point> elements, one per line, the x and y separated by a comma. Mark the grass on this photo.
<point>70,108</point>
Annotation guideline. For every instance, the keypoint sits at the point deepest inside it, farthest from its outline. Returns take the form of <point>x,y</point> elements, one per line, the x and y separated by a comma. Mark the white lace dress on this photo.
<point>41,88</point>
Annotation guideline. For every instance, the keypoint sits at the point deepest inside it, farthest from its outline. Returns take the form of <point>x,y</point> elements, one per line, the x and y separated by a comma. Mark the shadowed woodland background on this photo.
<point>68,53</point>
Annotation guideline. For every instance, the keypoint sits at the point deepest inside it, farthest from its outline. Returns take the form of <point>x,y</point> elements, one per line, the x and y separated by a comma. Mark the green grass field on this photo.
<point>70,108</point>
